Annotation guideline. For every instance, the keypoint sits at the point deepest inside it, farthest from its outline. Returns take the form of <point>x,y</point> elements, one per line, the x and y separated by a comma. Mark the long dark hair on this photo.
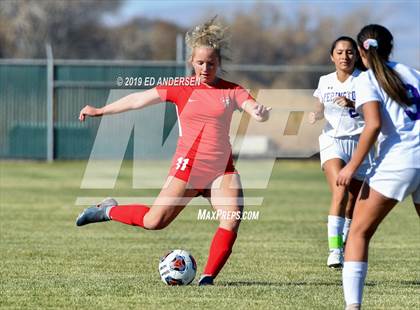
<point>358,64</point>
<point>377,54</point>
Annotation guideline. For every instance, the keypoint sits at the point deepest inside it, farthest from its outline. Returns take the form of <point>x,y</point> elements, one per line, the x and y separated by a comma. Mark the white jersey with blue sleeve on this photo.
<point>341,121</point>
<point>399,139</point>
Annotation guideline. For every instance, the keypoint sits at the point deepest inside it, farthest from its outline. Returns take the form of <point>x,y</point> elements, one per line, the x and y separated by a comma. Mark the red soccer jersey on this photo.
<point>204,117</point>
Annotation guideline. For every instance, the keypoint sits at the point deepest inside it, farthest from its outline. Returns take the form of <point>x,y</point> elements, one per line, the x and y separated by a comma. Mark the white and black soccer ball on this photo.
<point>178,267</point>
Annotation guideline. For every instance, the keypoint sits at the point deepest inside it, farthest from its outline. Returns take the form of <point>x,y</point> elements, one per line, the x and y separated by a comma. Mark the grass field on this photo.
<point>278,261</point>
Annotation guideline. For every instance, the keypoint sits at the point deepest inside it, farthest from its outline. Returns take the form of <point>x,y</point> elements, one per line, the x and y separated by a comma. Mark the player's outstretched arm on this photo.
<point>133,101</point>
<point>257,111</point>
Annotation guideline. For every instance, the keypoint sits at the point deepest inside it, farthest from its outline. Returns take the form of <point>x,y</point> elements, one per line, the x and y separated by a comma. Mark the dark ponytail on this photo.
<point>377,51</point>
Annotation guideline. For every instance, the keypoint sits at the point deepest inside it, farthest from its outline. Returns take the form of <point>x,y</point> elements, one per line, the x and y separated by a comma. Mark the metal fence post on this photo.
<point>50,103</point>
<point>179,48</point>
<point>181,52</point>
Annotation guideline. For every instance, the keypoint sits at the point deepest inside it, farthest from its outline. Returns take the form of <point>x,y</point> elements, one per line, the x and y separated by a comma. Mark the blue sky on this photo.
<point>401,17</point>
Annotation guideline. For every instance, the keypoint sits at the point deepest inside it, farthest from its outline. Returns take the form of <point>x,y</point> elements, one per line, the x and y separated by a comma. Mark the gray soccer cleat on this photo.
<point>96,214</point>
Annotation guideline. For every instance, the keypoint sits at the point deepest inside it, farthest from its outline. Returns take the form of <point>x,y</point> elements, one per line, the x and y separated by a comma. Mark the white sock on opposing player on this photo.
<point>335,232</point>
<point>354,274</point>
<point>346,229</point>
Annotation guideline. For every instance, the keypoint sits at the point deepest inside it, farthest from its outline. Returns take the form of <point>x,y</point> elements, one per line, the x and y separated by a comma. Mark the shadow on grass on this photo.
<point>280,284</point>
<point>411,283</point>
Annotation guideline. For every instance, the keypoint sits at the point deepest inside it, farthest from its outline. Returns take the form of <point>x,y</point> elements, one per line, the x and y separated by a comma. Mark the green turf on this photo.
<point>278,261</point>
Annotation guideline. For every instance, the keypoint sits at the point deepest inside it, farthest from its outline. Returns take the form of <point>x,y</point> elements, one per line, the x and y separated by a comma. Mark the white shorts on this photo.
<point>395,184</point>
<point>343,148</point>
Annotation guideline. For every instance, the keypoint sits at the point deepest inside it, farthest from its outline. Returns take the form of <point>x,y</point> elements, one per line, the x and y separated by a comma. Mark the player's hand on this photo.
<point>261,113</point>
<point>344,102</point>
<point>89,111</point>
<point>312,118</point>
<point>345,175</point>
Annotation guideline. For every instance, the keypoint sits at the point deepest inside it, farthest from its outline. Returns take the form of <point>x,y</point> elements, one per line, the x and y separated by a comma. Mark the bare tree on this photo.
<point>268,36</point>
<point>146,39</point>
<point>73,27</point>
<point>264,35</point>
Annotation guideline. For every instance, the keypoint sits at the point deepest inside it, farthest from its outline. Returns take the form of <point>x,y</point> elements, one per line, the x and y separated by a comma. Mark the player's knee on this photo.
<point>362,231</point>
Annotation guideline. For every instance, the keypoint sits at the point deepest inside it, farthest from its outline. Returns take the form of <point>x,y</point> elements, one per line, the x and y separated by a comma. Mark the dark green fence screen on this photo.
<point>23,104</point>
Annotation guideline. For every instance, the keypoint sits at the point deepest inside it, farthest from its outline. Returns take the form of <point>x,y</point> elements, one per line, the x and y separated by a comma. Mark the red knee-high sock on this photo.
<point>220,249</point>
<point>129,214</point>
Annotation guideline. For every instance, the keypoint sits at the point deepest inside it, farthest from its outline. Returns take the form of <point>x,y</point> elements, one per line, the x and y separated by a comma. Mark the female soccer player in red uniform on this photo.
<point>202,163</point>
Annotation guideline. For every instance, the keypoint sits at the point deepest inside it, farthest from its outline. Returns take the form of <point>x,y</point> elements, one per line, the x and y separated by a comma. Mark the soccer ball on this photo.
<point>178,267</point>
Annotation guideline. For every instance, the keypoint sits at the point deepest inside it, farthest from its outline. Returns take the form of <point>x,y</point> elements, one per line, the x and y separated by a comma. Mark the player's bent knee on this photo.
<point>363,231</point>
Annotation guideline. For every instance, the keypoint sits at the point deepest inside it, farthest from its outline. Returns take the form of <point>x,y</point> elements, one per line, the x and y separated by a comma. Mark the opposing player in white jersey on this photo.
<point>388,97</point>
<point>336,96</point>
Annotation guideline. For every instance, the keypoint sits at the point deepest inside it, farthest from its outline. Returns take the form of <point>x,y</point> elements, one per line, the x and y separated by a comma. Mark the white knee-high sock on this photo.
<point>335,232</point>
<point>354,274</point>
<point>346,229</point>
